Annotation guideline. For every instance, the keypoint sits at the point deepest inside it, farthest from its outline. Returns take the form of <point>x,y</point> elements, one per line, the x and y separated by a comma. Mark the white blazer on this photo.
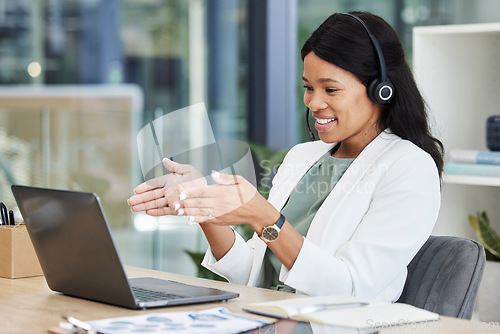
<point>365,233</point>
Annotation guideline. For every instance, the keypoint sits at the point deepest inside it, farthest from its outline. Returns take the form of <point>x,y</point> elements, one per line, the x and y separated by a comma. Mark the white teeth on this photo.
<point>324,121</point>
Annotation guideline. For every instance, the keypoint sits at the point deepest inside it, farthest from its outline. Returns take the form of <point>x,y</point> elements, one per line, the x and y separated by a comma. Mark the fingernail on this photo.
<point>177,206</point>
<point>180,212</point>
<point>191,219</point>
<point>182,196</point>
<point>215,174</point>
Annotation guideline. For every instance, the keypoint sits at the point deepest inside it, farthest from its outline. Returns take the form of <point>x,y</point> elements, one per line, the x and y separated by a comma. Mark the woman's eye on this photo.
<point>307,87</point>
<point>331,90</point>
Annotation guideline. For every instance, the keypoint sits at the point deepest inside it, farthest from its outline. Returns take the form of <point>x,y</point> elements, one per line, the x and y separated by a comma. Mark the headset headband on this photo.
<point>378,49</point>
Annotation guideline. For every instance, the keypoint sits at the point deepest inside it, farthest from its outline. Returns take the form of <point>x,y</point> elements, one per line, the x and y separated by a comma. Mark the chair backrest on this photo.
<point>444,276</point>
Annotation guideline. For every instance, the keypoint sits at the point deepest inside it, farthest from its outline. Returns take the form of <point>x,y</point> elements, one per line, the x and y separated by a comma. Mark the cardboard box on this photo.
<point>17,256</point>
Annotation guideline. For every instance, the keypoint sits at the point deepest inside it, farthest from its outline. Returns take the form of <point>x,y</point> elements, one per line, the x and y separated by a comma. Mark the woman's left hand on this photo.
<point>232,201</point>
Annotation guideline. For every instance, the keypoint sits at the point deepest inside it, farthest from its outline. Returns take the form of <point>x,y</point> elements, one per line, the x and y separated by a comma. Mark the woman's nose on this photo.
<point>315,103</point>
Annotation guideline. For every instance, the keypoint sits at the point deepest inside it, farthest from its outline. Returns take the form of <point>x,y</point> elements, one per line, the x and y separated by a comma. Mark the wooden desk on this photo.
<point>29,306</point>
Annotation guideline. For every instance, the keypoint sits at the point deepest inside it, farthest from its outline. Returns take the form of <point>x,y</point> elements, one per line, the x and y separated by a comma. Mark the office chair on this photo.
<point>444,276</point>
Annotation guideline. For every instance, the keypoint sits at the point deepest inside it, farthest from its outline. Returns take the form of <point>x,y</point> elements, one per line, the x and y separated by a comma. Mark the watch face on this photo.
<point>270,233</point>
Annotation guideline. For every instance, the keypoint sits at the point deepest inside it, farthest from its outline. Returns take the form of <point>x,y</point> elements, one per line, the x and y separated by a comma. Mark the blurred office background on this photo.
<point>80,78</point>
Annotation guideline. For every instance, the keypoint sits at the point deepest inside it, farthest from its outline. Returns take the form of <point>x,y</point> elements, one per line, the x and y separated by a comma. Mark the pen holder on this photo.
<point>17,256</point>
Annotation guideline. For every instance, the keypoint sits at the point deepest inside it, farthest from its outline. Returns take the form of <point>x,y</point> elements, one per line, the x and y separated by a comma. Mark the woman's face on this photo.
<point>340,105</point>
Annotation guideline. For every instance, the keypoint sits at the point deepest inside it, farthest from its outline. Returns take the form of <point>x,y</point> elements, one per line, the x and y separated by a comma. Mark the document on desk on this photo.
<point>215,320</point>
<point>344,311</point>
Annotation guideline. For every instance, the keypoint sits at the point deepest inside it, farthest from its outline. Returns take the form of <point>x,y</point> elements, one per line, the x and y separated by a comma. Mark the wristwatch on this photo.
<point>270,233</point>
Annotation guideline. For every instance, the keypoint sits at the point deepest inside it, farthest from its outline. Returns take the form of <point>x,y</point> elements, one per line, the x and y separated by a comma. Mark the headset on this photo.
<point>380,90</point>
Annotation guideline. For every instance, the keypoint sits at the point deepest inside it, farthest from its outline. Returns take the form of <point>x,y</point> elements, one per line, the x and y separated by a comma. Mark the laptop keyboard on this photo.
<point>145,295</point>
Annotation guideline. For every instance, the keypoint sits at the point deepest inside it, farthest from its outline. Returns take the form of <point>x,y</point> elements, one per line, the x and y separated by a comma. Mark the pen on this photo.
<point>321,307</point>
<point>11,218</point>
<point>80,327</point>
<point>3,214</point>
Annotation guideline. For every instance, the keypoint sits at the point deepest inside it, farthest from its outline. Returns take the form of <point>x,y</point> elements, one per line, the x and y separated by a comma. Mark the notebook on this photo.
<point>72,240</point>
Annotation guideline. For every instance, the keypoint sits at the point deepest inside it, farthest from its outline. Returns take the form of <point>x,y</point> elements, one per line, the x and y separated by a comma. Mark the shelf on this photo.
<point>458,73</point>
<point>457,29</point>
<point>472,180</point>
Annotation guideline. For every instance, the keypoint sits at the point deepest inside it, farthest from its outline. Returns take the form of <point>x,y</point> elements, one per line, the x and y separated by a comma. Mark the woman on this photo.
<point>353,208</point>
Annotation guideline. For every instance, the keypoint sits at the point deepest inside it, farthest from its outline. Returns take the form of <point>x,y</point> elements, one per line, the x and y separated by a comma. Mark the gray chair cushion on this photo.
<point>444,276</point>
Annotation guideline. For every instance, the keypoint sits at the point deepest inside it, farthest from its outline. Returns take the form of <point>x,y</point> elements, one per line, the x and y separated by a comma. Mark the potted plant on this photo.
<point>489,294</point>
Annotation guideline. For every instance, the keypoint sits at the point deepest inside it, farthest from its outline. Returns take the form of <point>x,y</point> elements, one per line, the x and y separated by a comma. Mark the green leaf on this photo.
<point>487,235</point>
<point>245,231</point>
<point>203,272</point>
<point>269,157</point>
<point>473,222</point>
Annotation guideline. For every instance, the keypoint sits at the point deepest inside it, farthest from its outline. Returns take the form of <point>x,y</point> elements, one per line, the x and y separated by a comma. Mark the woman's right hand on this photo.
<point>156,196</point>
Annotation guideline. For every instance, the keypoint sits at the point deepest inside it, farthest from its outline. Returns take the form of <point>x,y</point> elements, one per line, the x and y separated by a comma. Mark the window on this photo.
<point>80,78</point>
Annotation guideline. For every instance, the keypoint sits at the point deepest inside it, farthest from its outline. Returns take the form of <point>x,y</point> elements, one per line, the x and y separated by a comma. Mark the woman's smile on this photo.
<point>324,124</point>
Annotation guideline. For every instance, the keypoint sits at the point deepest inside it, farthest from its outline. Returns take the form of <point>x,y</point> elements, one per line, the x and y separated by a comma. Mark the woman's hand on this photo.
<point>156,196</point>
<point>235,201</point>
<point>232,201</point>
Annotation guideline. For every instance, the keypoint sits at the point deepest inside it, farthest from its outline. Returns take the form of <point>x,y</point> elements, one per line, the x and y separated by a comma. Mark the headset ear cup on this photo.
<point>380,92</point>
<point>372,91</point>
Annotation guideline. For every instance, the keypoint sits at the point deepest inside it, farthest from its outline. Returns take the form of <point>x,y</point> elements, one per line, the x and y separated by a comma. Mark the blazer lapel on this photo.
<point>294,171</point>
<point>349,180</point>
<point>291,173</point>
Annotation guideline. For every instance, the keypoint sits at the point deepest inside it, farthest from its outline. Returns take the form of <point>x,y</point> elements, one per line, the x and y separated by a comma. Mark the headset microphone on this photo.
<point>311,135</point>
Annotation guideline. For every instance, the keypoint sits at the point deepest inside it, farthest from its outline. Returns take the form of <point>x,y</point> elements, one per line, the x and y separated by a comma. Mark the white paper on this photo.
<point>215,320</point>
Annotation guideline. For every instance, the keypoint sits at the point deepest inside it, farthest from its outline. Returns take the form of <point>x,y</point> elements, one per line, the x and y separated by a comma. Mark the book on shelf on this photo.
<point>475,156</point>
<point>463,168</point>
<point>344,311</point>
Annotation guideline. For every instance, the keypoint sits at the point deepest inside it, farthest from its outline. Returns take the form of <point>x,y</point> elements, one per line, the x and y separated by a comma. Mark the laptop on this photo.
<point>72,240</point>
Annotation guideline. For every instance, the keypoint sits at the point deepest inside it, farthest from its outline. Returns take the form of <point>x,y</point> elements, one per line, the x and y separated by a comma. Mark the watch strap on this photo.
<point>281,220</point>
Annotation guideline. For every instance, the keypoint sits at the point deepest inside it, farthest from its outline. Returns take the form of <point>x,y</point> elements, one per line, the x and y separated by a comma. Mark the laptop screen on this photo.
<point>73,243</point>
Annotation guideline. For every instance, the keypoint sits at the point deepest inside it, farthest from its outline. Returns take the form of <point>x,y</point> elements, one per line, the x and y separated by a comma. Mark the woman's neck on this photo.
<point>352,147</point>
